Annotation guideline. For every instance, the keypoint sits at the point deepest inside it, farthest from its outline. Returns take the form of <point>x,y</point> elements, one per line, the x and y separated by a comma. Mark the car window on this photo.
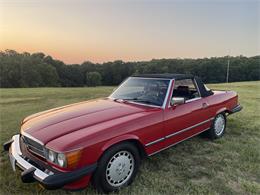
<point>185,88</point>
<point>142,90</point>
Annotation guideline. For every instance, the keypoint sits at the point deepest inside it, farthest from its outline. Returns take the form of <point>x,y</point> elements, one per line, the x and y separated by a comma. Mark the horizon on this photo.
<point>131,31</point>
<point>133,61</point>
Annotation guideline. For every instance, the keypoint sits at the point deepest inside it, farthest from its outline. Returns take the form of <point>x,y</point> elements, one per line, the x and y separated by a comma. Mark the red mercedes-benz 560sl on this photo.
<point>104,140</point>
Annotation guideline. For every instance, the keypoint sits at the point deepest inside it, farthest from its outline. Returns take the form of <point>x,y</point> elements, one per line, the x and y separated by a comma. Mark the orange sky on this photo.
<point>130,30</point>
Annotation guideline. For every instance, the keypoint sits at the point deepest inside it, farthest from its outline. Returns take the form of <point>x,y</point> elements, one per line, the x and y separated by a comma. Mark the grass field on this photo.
<point>230,165</point>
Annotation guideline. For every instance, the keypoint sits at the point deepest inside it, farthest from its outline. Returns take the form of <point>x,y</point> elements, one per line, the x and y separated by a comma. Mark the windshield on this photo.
<point>142,90</point>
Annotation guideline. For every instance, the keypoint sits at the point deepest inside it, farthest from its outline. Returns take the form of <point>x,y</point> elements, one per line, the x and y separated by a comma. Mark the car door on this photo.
<point>188,119</point>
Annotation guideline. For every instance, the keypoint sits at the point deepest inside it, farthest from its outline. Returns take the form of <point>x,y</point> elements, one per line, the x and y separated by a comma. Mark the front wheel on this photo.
<point>218,127</point>
<point>116,168</point>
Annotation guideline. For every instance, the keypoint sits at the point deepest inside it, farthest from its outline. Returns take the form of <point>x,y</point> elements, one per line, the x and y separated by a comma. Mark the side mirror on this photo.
<point>177,101</point>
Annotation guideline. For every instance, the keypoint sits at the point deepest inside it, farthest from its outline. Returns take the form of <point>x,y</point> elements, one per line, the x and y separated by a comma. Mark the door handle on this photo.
<point>204,105</point>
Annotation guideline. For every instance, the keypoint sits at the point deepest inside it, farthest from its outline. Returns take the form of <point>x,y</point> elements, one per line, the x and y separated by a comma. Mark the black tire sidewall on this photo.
<point>213,134</point>
<point>99,178</point>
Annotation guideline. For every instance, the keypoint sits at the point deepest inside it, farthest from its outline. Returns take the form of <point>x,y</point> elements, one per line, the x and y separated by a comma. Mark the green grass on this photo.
<point>230,165</point>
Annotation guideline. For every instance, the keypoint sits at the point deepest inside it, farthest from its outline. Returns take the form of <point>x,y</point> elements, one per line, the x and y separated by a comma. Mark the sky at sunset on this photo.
<point>131,30</point>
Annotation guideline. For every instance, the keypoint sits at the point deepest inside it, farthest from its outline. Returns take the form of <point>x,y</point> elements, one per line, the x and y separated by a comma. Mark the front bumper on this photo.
<point>45,177</point>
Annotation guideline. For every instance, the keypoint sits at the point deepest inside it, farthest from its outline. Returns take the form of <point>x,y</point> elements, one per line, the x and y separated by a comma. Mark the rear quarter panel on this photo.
<point>222,101</point>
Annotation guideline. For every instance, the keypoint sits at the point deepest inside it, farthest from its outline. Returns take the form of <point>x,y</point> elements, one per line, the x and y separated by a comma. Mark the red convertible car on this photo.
<point>104,140</point>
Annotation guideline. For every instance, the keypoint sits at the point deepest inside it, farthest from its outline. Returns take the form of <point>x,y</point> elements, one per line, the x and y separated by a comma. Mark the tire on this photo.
<point>218,127</point>
<point>117,168</point>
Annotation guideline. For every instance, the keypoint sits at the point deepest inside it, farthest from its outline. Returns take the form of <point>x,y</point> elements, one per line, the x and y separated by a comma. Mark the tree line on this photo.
<point>39,70</point>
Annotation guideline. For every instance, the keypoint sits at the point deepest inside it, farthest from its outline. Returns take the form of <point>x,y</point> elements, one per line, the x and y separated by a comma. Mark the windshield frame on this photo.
<point>144,104</point>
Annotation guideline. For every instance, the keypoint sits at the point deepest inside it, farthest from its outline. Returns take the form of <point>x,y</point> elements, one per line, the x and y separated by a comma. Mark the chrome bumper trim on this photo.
<point>46,178</point>
<point>16,153</point>
<point>236,109</point>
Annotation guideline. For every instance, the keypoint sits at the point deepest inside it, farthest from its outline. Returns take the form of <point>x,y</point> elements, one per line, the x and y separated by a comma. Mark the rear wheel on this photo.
<point>116,168</point>
<point>218,127</point>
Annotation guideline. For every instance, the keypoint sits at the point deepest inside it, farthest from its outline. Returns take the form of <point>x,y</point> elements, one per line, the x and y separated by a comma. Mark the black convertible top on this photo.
<point>203,91</point>
<point>166,76</point>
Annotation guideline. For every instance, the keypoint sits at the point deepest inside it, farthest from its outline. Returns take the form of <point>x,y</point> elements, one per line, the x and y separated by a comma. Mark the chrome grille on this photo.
<point>33,146</point>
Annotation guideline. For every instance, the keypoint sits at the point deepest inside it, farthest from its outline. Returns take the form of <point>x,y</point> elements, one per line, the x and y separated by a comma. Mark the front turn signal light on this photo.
<point>73,158</point>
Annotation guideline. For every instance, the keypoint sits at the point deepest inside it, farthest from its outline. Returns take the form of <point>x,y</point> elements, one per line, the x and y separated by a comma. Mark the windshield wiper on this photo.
<point>136,100</point>
<point>142,100</point>
<point>124,99</point>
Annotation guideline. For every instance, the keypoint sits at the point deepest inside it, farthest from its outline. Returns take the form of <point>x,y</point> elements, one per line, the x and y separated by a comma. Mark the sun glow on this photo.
<point>98,31</point>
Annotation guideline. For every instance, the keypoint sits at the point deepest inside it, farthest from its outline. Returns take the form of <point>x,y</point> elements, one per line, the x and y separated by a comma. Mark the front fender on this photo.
<point>119,139</point>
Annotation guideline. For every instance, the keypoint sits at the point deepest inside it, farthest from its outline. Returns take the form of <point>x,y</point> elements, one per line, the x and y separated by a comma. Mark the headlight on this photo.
<point>61,159</point>
<point>51,156</point>
<point>68,159</point>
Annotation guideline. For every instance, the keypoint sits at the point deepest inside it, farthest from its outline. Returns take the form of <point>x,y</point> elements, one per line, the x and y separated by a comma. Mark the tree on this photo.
<point>38,70</point>
<point>93,79</point>
<point>49,75</point>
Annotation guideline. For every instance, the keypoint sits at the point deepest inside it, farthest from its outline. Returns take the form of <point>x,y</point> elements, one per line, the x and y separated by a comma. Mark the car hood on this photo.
<point>51,124</point>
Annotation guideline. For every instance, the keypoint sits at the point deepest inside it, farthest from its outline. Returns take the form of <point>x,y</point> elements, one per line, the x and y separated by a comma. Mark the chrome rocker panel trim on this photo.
<point>177,142</point>
<point>178,132</point>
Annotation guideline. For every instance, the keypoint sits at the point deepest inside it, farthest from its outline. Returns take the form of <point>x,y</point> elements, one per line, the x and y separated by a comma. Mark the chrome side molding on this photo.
<point>178,132</point>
